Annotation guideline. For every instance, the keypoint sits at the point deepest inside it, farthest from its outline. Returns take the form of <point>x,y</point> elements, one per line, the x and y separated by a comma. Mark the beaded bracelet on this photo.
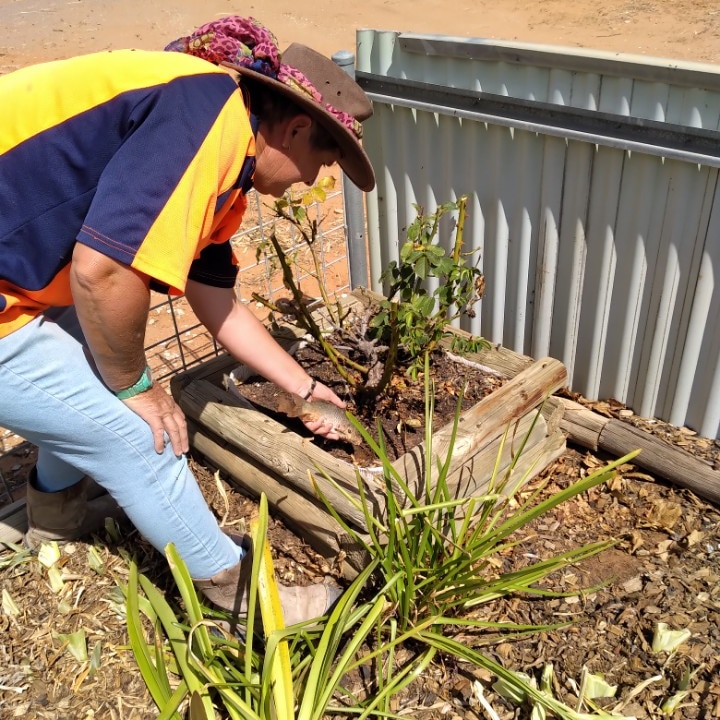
<point>309,393</point>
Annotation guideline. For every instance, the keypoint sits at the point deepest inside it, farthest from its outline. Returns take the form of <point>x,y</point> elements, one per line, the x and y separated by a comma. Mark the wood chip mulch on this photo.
<point>665,567</point>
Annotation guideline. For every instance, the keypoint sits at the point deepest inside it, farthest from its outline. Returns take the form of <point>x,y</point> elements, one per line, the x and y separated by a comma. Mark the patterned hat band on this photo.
<point>293,78</point>
<point>246,43</point>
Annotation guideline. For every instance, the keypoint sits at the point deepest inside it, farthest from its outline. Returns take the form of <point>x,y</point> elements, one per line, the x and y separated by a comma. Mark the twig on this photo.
<point>471,363</point>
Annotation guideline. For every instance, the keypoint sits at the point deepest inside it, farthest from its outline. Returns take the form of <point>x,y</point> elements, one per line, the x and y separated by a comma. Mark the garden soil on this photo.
<point>665,567</point>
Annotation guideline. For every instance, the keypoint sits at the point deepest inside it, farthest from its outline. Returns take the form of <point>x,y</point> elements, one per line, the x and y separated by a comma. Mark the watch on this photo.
<point>144,383</point>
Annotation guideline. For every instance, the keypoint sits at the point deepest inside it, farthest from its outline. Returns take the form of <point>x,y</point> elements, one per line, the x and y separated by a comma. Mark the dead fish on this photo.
<point>319,410</point>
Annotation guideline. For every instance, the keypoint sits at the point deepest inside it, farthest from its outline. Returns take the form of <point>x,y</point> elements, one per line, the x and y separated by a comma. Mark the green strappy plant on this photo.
<point>285,673</point>
<point>431,563</point>
<point>441,549</point>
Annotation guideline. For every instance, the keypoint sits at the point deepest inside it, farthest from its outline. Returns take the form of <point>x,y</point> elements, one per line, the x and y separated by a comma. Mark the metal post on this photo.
<point>354,205</point>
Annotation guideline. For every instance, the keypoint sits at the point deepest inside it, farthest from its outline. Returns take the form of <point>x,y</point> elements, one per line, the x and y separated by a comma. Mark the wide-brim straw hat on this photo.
<point>339,104</point>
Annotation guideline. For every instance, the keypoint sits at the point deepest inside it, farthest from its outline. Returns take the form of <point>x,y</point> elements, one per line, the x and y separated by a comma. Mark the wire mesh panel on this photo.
<point>177,341</point>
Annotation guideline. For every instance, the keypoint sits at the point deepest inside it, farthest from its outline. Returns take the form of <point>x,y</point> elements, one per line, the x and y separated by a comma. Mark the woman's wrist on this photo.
<point>306,391</point>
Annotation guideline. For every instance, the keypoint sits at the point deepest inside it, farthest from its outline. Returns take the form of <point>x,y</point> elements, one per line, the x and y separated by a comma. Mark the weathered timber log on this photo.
<point>501,453</point>
<point>530,463</point>
<point>537,458</point>
<point>471,474</point>
<point>596,432</point>
<point>270,444</point>
<point>582,425</point>
<point>299,511</point>
<point>308,520</point>
<point>489,418</point>
<point>510,476</point>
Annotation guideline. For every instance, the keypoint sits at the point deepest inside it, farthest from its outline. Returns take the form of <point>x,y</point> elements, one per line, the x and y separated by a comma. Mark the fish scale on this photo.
<point>320,411</point>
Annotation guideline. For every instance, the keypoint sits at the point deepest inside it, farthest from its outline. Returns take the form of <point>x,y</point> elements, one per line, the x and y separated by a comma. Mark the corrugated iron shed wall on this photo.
<point>593,184</point>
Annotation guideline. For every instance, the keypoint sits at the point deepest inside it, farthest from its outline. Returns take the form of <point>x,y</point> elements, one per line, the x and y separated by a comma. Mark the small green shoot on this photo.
<point>413,315</point>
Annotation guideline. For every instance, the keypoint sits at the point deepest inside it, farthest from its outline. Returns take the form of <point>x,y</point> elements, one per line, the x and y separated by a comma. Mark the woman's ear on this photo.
<point>295,125</point>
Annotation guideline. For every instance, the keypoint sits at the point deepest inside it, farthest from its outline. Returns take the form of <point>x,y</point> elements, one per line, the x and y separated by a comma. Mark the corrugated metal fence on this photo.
<point>593,203</point>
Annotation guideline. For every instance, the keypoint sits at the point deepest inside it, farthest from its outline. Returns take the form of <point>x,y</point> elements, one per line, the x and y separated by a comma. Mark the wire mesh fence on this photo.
<point>176,341</point>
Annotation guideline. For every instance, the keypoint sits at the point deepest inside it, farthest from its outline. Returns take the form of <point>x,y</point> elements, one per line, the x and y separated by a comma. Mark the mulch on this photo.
<point>664,567</point>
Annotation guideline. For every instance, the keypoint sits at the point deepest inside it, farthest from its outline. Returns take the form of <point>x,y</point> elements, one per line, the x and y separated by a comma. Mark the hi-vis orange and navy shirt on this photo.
<point>143,156</point>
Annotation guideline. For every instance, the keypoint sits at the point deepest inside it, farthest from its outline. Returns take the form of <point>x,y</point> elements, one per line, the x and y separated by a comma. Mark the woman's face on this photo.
<point>285,156</point>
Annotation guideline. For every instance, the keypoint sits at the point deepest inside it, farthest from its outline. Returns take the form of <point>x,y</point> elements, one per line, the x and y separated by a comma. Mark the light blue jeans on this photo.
<point>51,396</point>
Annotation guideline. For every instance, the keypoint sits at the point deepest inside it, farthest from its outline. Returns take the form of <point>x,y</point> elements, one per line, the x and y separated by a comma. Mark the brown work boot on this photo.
<point>229,591</point>
<point>68,514</point>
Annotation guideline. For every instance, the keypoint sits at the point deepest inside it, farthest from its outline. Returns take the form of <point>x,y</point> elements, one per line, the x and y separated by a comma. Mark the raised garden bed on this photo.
<point>260,454</point>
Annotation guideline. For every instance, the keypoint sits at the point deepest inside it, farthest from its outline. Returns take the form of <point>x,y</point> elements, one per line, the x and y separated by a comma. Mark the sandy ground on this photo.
<point>37,30</point>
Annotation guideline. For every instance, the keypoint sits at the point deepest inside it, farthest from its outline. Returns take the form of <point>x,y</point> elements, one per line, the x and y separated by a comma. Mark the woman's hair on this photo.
<point>272,108</point>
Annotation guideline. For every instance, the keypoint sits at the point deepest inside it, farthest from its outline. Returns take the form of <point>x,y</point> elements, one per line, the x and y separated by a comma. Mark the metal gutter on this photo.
<point>611,130</point>
<point>639,67</point>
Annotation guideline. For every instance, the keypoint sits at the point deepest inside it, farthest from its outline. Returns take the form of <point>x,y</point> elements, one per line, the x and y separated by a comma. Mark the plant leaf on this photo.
<point>8,604</point>
<point>192,604</point>
<point>49,554</point>
<point>595,686</point>
<point>139,646</point>
<point>277,659</point>
<point>76,644</point>
<point>667,640</point>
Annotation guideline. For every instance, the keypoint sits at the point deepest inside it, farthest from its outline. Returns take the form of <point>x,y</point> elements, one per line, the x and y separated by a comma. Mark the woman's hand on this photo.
<point>165,418</point>
<point>249,342</point>
<point>323,393</point>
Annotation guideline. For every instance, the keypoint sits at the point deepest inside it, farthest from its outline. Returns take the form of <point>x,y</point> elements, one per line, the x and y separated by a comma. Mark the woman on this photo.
<point>126,171</point>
